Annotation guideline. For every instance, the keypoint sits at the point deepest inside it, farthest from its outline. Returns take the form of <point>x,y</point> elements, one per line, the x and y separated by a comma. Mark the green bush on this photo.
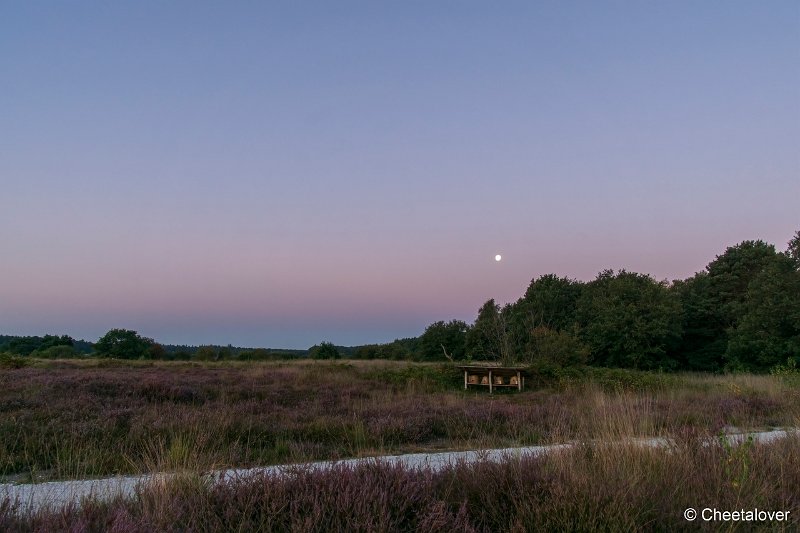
<point>55,352</point>
<point>556,347</point>
<point>324,350</point>
<point>790,372</point>
<point>12,362</point>
<point>621,379</point>
<point>442,377</point>
<point>543,373</point>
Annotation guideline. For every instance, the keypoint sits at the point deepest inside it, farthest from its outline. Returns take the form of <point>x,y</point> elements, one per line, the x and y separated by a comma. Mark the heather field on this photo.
<point>86,418</point>
<point>589,488</point>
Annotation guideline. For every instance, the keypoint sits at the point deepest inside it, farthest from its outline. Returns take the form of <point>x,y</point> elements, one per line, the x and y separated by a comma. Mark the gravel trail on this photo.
<point>54,494</point>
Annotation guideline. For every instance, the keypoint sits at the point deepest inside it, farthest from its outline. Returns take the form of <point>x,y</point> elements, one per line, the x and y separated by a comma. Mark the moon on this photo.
<point>498,257</point>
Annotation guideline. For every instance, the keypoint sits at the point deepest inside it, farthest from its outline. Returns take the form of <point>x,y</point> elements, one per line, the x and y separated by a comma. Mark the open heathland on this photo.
<point>593,487</point>
<point>76,419</point>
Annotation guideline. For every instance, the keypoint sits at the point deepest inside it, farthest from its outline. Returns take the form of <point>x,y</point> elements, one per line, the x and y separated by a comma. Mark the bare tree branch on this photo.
<point>446,354</point>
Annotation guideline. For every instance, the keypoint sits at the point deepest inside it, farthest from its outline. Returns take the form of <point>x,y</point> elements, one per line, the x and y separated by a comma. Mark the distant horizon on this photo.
<point>468,320</point>
<point>282,175</point>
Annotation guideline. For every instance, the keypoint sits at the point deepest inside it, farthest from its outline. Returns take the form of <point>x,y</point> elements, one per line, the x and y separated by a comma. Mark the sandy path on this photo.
<point>59,493</point>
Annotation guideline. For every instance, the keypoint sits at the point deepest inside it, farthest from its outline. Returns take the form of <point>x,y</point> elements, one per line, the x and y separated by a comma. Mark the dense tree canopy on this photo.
<point>487,338</point>
<point>441,336</point>
<point>546,312</point>
<point>702,346</point>
<point>730,275</point>
<point>727,293</point>
<point>794,250</point>
<point>554,347</point>
<point>123,344</point>
<point>47,346</point>
<point>549,302</point>
<point>629,320</point>
<point>396,350</point>
<point>767,332</point>
<point>324,350</point>
<point>738,313</point>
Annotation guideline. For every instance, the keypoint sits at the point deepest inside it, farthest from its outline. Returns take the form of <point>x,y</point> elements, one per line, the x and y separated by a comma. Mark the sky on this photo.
<point>284,173</point>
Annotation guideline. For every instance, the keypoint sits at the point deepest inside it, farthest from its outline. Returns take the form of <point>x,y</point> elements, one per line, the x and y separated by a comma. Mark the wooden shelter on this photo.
<point>494,376</point>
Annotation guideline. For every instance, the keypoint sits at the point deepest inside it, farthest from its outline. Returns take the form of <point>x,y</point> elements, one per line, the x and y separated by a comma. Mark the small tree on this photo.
<point>156,351</point>
<point>489,336</point>
<point>206,353</point>
<point>324,350</point>
<point>123,344</point>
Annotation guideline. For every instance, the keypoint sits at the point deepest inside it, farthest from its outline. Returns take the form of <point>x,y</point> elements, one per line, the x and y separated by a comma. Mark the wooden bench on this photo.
<point>494,376</point>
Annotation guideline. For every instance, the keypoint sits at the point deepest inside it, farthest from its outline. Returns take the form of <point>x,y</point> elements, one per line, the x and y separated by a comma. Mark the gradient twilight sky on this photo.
<point>282,173</point>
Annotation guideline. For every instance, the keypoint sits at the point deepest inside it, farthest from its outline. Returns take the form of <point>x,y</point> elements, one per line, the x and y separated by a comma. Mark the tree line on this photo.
<point>128,344</point>
<point>742,312</point>
<point>48,346</point>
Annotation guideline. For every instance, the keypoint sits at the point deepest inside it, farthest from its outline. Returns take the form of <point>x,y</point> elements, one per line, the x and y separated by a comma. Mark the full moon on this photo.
<point>498,257</point>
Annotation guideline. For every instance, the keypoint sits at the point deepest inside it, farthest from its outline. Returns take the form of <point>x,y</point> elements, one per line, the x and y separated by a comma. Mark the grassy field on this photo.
<point>590,488</point>
<point>74,419</point>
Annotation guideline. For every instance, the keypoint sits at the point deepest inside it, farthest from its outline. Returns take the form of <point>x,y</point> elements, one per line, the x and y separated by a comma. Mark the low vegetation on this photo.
<point>608,360</point>
<point>79,418</point>
<point>589,488</point>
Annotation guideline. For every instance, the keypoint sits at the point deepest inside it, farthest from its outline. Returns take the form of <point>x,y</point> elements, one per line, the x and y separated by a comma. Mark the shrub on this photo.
<point>324,350</point>
<point>556,347</point>
<point>55,352</point>
<point>11,362</point>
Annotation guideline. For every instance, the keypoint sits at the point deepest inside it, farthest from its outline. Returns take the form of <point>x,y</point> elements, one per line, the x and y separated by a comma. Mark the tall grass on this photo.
<point>72,419</point>
<point>589,488</point>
